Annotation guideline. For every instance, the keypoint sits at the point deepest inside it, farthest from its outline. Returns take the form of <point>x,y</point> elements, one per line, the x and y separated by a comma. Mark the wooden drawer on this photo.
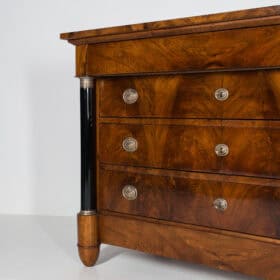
<point>229,49</point>
<point>252,95</point>
<point>254,147</point>
<point>253,205</point>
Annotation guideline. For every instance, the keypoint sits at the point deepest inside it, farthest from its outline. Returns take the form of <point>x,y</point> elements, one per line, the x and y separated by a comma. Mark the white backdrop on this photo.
<point>39,98</point>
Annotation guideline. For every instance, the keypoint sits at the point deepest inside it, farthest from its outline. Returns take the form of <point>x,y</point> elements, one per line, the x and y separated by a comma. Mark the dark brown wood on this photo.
<point>188,198</point>
<point>218,249</point>
<point>252,95</point>
<point>189,147</point>
<point>254,148</point>
<point>179,96</point>
<point>239,48</point>
<point>221,21</point>
<point>88,240</point>
<point>176,66</point>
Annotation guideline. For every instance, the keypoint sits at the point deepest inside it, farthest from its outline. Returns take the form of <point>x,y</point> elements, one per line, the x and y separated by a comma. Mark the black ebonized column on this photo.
<point>88,146</point>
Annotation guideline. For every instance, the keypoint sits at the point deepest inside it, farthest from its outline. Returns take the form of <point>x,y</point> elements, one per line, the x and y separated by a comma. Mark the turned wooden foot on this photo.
<point>88,243</point>
<point>88,255</point>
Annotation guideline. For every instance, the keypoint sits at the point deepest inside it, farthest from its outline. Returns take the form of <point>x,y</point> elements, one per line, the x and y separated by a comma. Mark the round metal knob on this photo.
<point>130,96</point>
<point>221,94</point>
<point>130,144</point>
<point>129,192</point>
<point>222,150</point>
<point>220,204</point>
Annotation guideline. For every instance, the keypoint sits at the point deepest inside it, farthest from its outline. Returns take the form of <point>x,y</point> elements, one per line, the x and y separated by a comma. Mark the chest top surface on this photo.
<point>196,24</point>
<point>218,42</point>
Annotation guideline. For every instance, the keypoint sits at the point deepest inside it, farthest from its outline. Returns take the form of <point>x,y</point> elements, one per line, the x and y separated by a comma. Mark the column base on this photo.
<point>88,255</point>
<point>88,241</point>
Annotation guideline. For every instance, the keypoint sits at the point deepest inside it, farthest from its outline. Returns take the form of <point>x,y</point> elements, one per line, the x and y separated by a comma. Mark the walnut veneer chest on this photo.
<point>180,129</point>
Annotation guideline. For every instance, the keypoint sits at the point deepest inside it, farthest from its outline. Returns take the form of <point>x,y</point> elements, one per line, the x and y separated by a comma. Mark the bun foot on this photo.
<point>89,255</point>
<point>88,243</point>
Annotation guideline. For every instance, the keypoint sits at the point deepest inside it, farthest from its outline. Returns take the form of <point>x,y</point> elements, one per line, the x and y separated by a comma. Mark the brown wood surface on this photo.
<point>218,249</point>
<point>88,239</point>
<point>236,49</point>
<point>254,148</point>
<point>221,21</point>
<point>81,60</point>
<point>176,66</point>
<point>252,95</point>
<point>253,207</point>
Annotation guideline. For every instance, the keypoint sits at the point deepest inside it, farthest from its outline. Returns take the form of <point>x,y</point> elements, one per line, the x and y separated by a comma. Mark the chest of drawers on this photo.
<point>180,128</point>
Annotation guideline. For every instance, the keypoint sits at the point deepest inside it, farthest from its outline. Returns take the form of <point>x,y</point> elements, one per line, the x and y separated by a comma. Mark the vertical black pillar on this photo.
<point>88,146</point>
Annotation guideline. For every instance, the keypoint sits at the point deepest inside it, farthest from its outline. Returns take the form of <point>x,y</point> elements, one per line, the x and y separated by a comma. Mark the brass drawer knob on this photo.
<point>222,150</point>
<point>130,96</point>
<point>130,144</point>
<point>221,94</point>
<point>129,192</point>
<point>220,204</point>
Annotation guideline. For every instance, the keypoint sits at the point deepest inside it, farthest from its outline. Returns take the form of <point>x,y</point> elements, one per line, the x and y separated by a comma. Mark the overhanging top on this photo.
<point>206,23</point>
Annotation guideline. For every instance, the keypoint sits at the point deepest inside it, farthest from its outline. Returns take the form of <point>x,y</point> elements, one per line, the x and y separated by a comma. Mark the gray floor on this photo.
<point>44,248</point>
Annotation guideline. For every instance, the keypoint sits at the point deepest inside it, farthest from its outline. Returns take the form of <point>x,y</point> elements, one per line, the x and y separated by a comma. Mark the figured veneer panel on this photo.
<point>189,147</point>
<point>218,249</point>
<point>239,48</point>
<point>254,149</point>
<point>161,96</point>
<point>252,95</point>
<point>188,198</point>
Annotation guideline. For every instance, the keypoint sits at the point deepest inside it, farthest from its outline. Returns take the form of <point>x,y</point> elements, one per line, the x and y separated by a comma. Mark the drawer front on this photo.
<point>247,147</point>
<point>239,48</point>
<point>233,203</point>
<point>230,95</point>
<point>162,146</point>
<point>254,148</point>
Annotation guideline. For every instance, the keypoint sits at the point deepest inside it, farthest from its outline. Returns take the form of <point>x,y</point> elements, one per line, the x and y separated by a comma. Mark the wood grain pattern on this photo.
<point>181,197</point>
<point>254,149</point>
<point>236,49</point>
<point>252,95</point>
<point>88,239</point>
<point>221,21</point>
<point>179,147</point>
<point>218,249</point>
<point>176,66</point>
<point>81,60</point>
